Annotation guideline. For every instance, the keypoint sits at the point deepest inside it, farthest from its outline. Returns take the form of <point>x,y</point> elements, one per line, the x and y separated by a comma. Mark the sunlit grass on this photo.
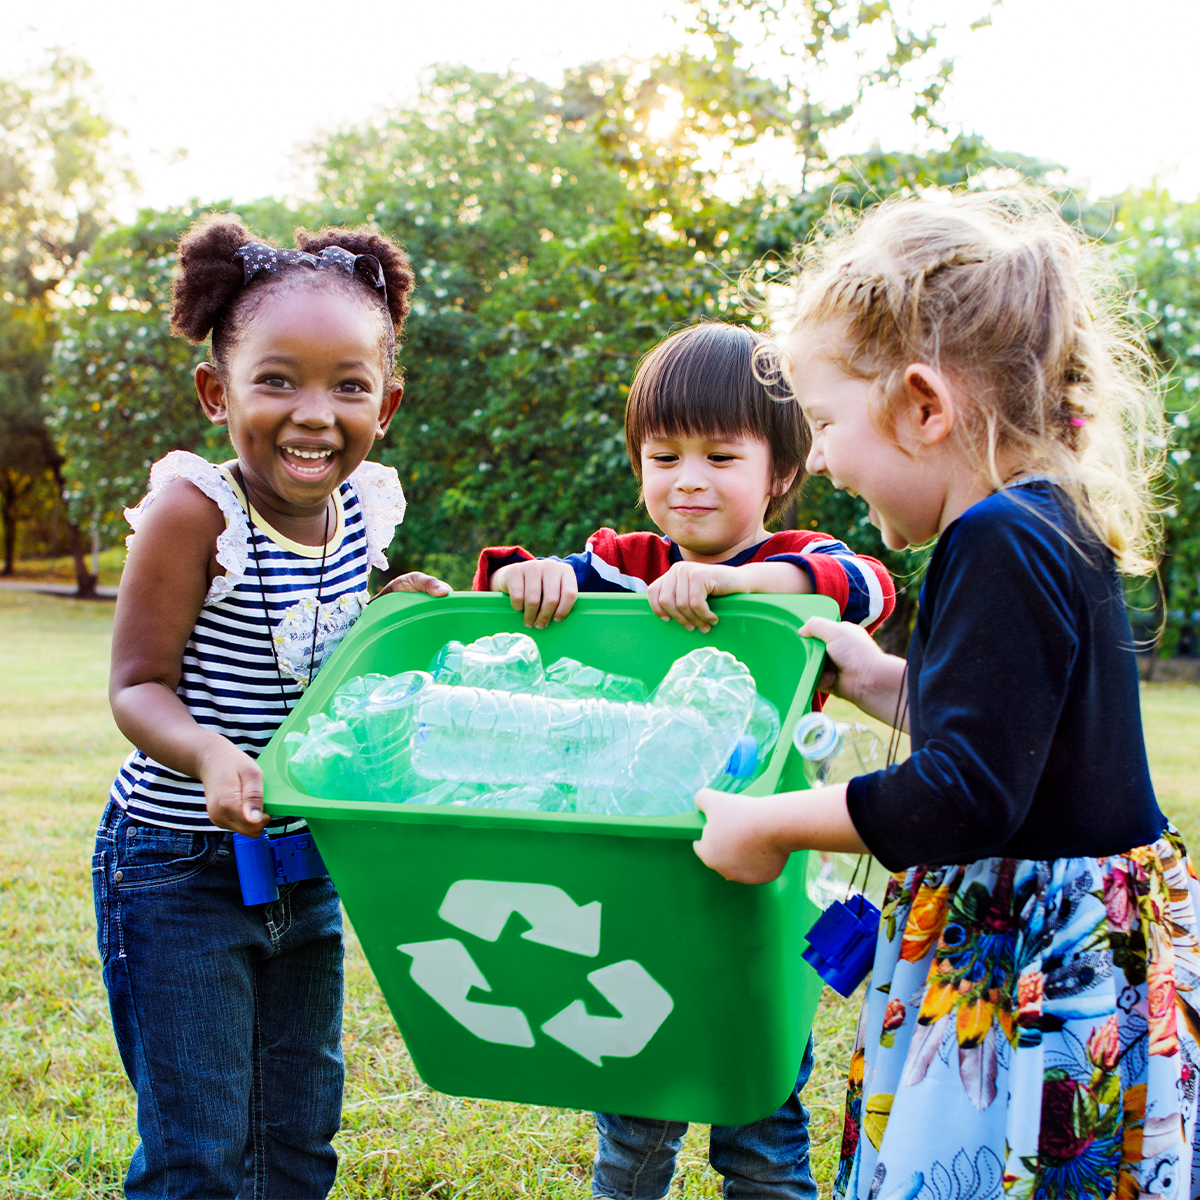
<point>66,1109</point>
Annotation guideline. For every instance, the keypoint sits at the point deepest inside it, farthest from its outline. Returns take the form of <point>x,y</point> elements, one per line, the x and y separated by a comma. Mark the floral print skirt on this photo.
<point>1030,1030</point>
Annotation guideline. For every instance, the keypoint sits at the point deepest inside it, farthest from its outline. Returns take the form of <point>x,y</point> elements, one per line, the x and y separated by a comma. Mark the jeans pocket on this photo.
<point>101,896</point>
<point>149,856</point>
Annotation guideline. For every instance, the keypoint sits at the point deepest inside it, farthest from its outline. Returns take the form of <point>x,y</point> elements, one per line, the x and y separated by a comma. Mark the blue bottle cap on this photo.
<point>744,758</point>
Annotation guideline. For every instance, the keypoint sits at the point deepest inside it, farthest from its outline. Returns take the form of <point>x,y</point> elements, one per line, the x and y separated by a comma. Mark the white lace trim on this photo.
<point>378,489</point>
<point>233,543</point>
<point>383,505</point>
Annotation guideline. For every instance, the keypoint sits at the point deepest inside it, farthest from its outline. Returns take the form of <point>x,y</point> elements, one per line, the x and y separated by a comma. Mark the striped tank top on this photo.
<point>229,680</point>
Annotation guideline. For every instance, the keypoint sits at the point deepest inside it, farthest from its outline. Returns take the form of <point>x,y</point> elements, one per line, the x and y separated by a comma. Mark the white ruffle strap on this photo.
<point>383,505</point>
<point>232,543</point>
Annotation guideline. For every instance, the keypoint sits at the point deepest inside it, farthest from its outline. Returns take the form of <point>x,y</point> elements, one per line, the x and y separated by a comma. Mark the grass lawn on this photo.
<point>66,1110</point>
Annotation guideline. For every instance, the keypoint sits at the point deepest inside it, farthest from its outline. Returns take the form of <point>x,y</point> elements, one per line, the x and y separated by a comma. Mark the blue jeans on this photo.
<point>764,1161</point>
<point>228,1018</point>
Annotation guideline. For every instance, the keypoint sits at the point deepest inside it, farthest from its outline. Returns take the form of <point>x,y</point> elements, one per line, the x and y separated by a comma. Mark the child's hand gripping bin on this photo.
<point>573,959</point>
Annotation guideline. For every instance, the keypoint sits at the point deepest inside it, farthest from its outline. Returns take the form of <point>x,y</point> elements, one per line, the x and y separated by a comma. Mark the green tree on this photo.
<point>558,234</point>
<point>58,171</point>
<point>1157,241</point>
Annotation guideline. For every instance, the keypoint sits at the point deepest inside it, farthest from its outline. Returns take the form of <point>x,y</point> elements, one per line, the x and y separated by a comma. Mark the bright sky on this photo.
<point>1104,88</point>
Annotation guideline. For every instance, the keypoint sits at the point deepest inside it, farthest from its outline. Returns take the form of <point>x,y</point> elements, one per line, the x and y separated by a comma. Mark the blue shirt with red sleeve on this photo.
<point>630,562</point>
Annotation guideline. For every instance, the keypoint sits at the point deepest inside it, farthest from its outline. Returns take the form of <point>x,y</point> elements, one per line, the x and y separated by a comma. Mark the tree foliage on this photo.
<point>121,393</point>
<point>1157,241</point>
<point>58,171</point>
<point>559,234</point>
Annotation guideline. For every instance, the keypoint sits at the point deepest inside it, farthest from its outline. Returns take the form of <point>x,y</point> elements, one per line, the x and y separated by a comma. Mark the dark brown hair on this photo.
<point>209,297</point>
<point>718,380</point>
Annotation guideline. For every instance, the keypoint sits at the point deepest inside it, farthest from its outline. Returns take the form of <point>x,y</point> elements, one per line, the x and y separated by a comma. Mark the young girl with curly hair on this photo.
<point>241,579</point>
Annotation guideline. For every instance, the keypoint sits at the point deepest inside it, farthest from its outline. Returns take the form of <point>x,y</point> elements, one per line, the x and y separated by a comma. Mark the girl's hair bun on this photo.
<point>366,239</point>
<point>207,276</point>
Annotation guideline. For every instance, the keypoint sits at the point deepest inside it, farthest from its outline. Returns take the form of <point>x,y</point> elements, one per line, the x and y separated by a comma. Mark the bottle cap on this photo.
<point>815,736</point>
<point>744,758</point>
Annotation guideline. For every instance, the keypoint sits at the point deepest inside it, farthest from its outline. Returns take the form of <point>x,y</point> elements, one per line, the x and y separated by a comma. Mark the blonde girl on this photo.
<point>1029,1027</point>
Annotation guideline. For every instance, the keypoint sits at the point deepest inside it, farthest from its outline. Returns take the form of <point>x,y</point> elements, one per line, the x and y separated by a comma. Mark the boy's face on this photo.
<point>708,494</point>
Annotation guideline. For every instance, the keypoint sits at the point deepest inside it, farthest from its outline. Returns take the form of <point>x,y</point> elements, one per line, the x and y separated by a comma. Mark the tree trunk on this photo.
<point>85,581</point>
<point>14,485</point>
<point>9,505</point>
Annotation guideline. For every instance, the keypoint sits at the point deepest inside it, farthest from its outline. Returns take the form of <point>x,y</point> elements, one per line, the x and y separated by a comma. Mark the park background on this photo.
<point>569,190</point>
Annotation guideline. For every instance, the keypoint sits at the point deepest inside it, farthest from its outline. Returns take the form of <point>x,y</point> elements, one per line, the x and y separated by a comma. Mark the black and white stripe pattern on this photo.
<point>230,683</point>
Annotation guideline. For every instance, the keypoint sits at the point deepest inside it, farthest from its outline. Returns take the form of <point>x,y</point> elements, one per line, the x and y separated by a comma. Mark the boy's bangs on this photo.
<point>706,381</point>
<point>686,412</point>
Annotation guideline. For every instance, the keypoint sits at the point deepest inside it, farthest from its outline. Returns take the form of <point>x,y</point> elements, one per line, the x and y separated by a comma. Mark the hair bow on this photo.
<point>256,257</point>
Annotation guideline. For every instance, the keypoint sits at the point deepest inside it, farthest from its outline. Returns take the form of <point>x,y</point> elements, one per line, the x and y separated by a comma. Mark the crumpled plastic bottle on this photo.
<point>568,678</point>
<point>764,727</point>
<point>387,731</point>
<point>326,761</point>
<point>509,662</point>
<point>446,664</point>
<point>651,757</point>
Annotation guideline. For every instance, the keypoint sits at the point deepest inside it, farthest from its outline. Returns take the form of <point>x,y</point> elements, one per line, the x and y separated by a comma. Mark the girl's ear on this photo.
<point>932,406</point>
<point>211,391</point>
<point>392,396</point>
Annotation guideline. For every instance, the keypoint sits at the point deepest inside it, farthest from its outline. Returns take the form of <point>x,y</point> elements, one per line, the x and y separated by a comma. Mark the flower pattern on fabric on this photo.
<point>310,634</point>
<point>1030,1031</point>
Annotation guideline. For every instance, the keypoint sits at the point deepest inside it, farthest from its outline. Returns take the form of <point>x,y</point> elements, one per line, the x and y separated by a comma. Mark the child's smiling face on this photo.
<point>708,494</point>
<point>905,488</point>
<point>305,395</point>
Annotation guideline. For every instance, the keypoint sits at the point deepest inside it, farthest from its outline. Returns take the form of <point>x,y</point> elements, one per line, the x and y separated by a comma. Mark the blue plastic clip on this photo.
<point>841,944</point>
<point>264,864</point>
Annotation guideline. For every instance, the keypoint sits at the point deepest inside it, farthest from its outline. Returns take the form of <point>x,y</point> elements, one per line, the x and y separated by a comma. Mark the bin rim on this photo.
<point>282,798</point>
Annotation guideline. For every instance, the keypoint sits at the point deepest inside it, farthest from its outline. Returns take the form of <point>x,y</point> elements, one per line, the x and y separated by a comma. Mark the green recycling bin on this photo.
<point>568,959</point>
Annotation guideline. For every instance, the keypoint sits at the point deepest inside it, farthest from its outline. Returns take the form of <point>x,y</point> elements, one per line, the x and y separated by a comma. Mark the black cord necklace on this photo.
<point>262,592</point>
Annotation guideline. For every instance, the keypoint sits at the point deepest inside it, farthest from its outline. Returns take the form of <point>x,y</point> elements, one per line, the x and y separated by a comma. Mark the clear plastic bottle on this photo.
<point>568,678</point>
<point>764,727</point>
<point>348,701</point>
<point>662,752</point>
<point>713,683</point>
<point>387,720</point>
<point>509,662</point>
<point>446,664</point>
<point>326,762</point>
<point>835,752</point>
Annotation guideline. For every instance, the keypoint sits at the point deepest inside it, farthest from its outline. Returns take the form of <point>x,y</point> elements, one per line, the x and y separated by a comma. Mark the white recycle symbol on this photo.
<point>445,970</point>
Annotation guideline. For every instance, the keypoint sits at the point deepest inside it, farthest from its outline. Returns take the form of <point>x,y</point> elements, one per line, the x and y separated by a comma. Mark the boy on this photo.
<point>719,453</point>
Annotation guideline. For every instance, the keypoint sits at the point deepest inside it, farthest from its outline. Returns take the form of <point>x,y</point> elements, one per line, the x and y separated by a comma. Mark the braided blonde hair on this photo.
<point>998,293</point>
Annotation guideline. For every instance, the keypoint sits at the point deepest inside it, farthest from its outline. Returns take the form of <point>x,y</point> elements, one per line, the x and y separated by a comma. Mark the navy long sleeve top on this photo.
<point>1023,699</point>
